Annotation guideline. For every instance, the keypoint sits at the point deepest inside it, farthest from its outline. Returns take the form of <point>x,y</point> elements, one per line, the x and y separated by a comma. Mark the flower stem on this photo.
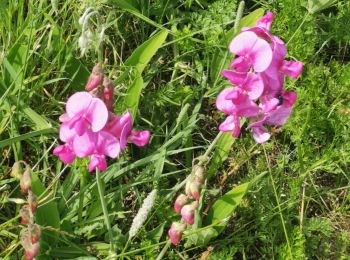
<point>104,209</point>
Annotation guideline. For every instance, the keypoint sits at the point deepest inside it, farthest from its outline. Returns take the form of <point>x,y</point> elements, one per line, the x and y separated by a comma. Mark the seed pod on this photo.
<point>26,181</point>
<point>17,170</point>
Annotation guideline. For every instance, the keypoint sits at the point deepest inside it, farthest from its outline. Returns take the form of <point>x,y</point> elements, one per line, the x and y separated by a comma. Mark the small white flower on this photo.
<point>142,214</point>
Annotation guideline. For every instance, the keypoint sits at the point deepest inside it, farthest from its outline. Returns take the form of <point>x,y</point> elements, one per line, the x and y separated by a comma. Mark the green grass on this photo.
<point>298,207</point>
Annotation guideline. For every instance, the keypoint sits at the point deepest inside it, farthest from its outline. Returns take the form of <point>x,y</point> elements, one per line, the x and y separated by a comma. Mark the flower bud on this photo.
<point>187,212</point>
<point>17,170</point>
<point>180,201</point>
<point>95,79</point>
<point>175,232</point>
<point>32,201</point>
<point>25,215</point>
<point>30,249</point>
<point>26,181</point>
<point>35,232</point>
<point>108,93</point>
<point>198,172</point>
<point>194,189</point>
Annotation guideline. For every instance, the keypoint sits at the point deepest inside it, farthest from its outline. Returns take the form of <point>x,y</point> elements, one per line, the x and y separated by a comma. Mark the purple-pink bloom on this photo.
<point>83,111</point>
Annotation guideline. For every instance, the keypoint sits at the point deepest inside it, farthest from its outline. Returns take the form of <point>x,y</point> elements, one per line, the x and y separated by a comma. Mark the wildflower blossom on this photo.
<point>175,232</point>
<point>258,72</point>
<point>89,127</point>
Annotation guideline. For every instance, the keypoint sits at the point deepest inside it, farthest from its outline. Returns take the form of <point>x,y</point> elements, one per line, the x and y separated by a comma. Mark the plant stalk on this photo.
<point>104,209</point>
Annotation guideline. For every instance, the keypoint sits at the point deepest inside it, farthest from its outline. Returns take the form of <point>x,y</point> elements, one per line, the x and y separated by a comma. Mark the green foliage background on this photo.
<point>308,158</point>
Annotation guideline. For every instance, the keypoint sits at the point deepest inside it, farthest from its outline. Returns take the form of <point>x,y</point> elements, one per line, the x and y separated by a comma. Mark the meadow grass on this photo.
<point>297,208</point>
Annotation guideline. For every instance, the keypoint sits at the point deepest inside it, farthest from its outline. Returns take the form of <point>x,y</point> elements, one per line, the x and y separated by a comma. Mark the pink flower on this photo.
<point>265,21</point>
<point>175,232</point>
<point>180,201</point>
<point>231,124</point>
<point>83,111</point>
<point>65,153</point>
<point>234,101</point>
<point>121,127</point>
<point>97,146</point>
<point>187,212</point>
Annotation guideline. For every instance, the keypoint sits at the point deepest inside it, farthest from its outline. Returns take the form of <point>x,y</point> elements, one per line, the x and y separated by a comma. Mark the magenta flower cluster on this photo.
<point>89,127</point>
<point>258,73</point>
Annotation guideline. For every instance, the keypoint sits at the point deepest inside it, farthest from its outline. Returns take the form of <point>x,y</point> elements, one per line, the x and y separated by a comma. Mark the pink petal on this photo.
<point>108,145</point>
<point>78,103</point>
<point>243,43</point>
<point>269,104</point>
<point>292,68</point>
<point>80,126</point>
<point>66,133</point>
<point>236,78</point>
<point>254,85</point>
<point>265,21</point>
<point>65,153</point>
<point>64,118</point>
<point>260,135</point>
<point>97,114</point>
<point>98,162</point>
<point>261,55</point>
<point>85,144</point>
<point>125,134</point>
<point>279,116</point>
<point>139,138</point>
<point>231,124</point>
<point>222,103</point>
<point>289,98</point>
<point>240,64</point>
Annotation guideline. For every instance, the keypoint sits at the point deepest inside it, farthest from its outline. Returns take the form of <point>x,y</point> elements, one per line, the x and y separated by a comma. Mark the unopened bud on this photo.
<point>187,212</point>
<point>198,171</point>
<point>35,232</point>
<point>180,201</point>
<point>30,249</point>
<point>32,201</point>
<point>194,189</point>
<point>95,79</point>
<point>175,232</point>
<point>17,170</point>
<point>26,181</point>
<point>108,93</point>
<point>25,215</point>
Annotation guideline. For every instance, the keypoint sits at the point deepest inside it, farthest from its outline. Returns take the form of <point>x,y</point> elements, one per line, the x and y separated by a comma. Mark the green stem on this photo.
<point>165,248</point>
<point>104,209</point>
<point>83,181</point>
<point>278,204</point>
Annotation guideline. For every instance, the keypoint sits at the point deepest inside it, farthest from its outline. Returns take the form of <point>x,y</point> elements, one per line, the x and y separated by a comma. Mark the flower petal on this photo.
<point>139,138</point>
<point>78,103</point>
<point>292,68</point>
<point>222,103</point>
<point>260,135</point>
<point>85,144</point>
<point>231,124</point>
<point>97,114</point>
<point>243,43</point>
<point>261,55</point>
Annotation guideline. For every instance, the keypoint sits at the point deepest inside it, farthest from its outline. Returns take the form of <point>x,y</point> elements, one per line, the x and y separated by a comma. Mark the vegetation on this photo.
<point>287,199</point>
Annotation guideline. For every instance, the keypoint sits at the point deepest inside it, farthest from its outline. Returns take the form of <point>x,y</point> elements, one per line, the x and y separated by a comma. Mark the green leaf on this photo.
<point>155,234</point>
<point>222,150</point>
<point>133,95</point>
<point>138,60</point>
<point>26,136</point>
<point>315,6</point>
<point>46,215</point>
<point>143,54</point>
<point>225,206</point>
<point>125,4</point>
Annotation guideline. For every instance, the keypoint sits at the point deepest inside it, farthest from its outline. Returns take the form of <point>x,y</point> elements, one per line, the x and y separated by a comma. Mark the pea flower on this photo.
<point>257,72</point>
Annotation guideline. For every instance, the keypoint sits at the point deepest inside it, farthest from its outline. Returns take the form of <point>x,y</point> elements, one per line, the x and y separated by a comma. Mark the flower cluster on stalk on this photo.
<point>258,72</point>
<point>89,127</point>
<point>186,204</point>
<point>31,235</point>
